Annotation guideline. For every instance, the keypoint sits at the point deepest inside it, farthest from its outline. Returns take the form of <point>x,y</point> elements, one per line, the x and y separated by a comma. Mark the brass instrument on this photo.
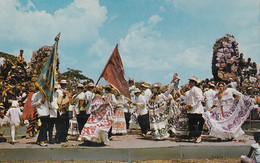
<point>63,102</point>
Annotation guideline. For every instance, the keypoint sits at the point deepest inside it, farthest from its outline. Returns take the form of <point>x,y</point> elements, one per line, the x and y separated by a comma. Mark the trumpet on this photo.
<point>63,102</point>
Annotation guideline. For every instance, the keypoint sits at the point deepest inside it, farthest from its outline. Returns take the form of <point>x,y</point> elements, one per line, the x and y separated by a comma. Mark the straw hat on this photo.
<point>156,86</point>
<point>90,85</point>
<point>108,87</point>
<point>80,85</point>
<point>137,90</point>
<point>195,79</point>
<point>56,85</point>
<point>146,85</point>
<point>63,82</point>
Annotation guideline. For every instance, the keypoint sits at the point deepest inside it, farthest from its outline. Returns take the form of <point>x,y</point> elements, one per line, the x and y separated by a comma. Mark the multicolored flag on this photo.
<point>114,73</point>
<point>47,77</point>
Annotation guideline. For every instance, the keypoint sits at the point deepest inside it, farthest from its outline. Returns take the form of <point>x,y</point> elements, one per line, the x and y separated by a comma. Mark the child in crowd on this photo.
<point>14,114</point>
<point>255,150</point>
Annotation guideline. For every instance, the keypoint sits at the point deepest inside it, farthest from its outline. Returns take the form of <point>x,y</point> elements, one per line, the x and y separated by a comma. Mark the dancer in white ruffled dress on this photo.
<point>225,118</point>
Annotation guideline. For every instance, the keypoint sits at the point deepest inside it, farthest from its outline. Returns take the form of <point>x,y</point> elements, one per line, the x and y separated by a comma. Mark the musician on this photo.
<point>63,112</point>
<point>80,106</point>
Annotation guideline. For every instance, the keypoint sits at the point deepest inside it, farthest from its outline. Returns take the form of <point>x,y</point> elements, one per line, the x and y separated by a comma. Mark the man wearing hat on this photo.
<point>195,109</point>
<point>63,113</point>
<point>142,111</point>
<point>209,96</point>
<point>89,97</point>
<point>147,91</point>
<point>42,106</point>
<point>80,106</point>
<point>55,118</point>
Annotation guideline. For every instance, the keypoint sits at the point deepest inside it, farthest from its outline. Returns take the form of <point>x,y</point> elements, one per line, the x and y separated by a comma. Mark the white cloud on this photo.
<point>195,57</point>
<point>154,19</point>
<point>144,48</point>
<point>78,21</point>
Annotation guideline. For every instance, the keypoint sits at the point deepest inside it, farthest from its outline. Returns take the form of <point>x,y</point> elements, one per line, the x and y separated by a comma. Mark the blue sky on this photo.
<point>156,37</point>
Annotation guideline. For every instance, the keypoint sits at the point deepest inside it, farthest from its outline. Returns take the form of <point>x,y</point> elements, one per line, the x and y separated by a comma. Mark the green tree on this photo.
<point>75,76</point>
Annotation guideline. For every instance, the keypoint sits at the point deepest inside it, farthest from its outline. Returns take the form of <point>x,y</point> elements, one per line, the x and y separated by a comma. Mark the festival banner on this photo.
<point>47,77</point>
<point>114,73</point>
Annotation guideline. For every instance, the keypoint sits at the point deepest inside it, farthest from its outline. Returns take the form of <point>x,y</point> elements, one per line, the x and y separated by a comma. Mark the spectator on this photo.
<point>14,114</point>
<point>254,151</point>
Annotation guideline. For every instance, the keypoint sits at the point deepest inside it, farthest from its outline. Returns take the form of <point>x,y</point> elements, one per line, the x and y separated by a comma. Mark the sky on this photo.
<point>156,38</point>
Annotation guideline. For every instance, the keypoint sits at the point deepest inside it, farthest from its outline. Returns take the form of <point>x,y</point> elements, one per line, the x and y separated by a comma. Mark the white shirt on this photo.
<point>256,151</point>
<point>14,114</point>
<point>2,61</point>
<point>141,104</point>
<point>89,97</point>
<point>209,97</point>
<point>194,97</point>
<point>42,109</point>
<point>78,98</point>
<point>54,106</point>
<point>147,95</point>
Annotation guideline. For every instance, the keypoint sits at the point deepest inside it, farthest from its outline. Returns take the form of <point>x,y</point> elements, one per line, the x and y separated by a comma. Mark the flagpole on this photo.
<point>106,65</point>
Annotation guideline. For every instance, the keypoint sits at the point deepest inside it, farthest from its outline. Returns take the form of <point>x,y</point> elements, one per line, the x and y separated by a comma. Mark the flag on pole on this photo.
<point>47,77</point>
<point>114,73</point>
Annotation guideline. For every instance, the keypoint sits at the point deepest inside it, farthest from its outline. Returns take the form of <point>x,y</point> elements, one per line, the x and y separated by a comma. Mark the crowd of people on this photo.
<point>94,113</point>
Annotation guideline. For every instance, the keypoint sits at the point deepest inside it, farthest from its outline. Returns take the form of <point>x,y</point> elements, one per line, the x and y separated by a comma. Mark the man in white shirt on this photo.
<point>89,97</point>
<point>209,96</point>
<point>42,106</point>
<point>147,91</point>
<point>63,111</point>
<point>53,116</point>
<point>142,111</point>
<point>80,106</point>
<point>195,109</point>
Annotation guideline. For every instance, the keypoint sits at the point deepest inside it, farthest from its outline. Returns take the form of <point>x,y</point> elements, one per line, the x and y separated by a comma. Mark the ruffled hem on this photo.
<point>119,131</point>
<point>226,135</point>
<point>102,137</point>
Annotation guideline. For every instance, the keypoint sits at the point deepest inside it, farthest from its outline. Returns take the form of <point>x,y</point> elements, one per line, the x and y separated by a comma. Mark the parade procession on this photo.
<point>55,109</point>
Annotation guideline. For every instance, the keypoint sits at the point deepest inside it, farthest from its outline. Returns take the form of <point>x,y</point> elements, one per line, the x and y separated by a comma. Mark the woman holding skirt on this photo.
<point>231,108</point>
<point>100,121</point>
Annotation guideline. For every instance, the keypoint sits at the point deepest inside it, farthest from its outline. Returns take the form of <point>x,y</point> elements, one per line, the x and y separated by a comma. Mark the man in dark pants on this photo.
<point>195,109</point>
<point>80,101</point>
<point>42,105</point>
<point>142,111</point>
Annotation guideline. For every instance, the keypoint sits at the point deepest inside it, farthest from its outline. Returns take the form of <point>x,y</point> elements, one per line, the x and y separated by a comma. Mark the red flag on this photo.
<point>114,73</point>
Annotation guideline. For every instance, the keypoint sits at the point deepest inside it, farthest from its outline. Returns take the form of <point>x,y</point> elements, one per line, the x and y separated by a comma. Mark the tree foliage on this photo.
<point>75,76</point>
